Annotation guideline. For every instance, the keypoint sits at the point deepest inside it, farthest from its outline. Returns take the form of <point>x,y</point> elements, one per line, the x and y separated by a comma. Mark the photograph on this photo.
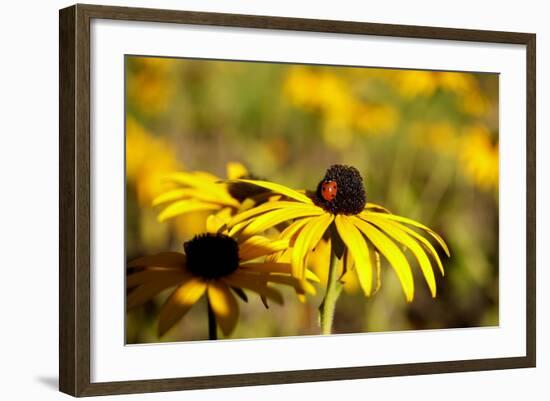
<point>267,199</point>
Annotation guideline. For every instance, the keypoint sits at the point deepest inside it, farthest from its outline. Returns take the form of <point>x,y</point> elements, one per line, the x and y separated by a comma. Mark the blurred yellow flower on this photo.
<point>342,112</point>
<point>148,159</point>
<point>474,103</point>
<point>373,119</point>
<point>479,157</point>
<point>439,136</point>
<point>470,98</point>
<point>414,83</point>
<point>215,265</point>
<point>150,88</point>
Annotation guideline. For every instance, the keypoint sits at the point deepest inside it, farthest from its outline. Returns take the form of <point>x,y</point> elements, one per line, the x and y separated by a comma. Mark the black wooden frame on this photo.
<point>74,199</point>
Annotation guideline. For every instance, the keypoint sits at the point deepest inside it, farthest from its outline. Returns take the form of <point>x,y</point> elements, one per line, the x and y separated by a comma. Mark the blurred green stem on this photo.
<point>334,287</point>
<point>212,329</point>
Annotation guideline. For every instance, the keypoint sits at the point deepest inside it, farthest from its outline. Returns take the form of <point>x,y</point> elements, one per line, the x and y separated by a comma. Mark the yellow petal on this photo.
<point>357,247</point>
<point>392,253</point>
<point>138,296</point>
<point>143,293</point>
<point>292,230</point>
<point>236,170</point>
<point>273,218</point>
<point>214,224</point>
<point>421,226</point>
<point>375,207</point>
<point>289,233</point>
<point>257,246</point>
<point>306,241</point>
<point>203,175</point>
<point>281,189</point>
<point>224,214</point>
<point>190,194</point>
<point>224,305</point>
<point>179,303</point>
<point>375,261</point>
<point>195,179</point>
<point>206,182</point>
<point>411,244</point>
<point>185,206</point>
<point>265,207</point>
<point>274,267</point>
<point>246,204</point>
<point>254,283</point>
<point>423,241</point>
<point>236,229</point>
<point>300,286</point>
<point>172,195</point>
<point>267,267</point>
<point>153,275</point>
<point>163,259</point>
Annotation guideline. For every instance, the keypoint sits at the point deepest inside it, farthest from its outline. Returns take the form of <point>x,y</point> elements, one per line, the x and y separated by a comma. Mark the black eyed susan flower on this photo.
<point>197,191</point>
<point>216,265</point>
<point>360,231</point>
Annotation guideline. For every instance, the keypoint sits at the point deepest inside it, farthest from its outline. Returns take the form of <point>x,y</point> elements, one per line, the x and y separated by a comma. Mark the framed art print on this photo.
<point>251,200</point>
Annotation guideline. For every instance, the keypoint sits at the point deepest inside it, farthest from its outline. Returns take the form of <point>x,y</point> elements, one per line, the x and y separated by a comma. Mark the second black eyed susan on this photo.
<point>215,265</point>
<point>359,231</point>
<point>199,191</point>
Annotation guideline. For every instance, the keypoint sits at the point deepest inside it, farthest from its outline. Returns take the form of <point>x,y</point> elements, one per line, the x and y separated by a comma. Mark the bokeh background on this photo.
<point>426,143</point>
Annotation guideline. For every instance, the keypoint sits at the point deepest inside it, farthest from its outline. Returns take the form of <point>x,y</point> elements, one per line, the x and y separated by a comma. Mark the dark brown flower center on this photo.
<point>341,191</point>
<point>212,256</point>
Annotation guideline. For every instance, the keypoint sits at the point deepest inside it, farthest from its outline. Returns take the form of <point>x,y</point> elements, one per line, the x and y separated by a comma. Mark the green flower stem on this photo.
<point>212,327</point>
<point>334,287</point>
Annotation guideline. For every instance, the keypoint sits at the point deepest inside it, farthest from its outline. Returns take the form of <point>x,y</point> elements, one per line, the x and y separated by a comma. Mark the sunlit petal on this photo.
<point>306,241</point>
<point>172,195</point>
<point>356,245</point>
<point>258,245</point>
<point>273,218</point>
<point>289,233</point>
<point>184,206</point>
<point>224,305</point>
<point>266,207</point>
<point>235,170</point>
<point>422,240</point>
<point>392,253</point>
<point>179,303</point>
<point>214,224</point>
<point>280,189</point>
<point>411,244</point>
<point>206,182</point>
<point>418,225</point>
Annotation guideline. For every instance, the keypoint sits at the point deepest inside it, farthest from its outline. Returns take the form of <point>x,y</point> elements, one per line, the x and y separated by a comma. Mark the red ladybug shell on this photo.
<point>329,190</point>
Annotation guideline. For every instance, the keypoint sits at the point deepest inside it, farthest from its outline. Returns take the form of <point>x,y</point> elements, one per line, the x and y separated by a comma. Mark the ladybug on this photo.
<point>329,190</point>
